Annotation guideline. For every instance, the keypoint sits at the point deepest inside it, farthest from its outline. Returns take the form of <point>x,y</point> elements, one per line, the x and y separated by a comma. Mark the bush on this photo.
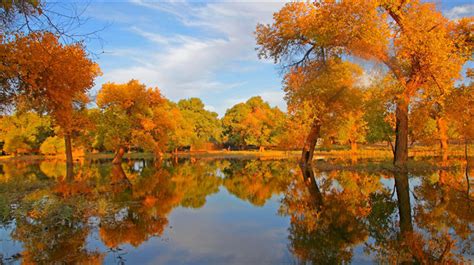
<point>52,146</point>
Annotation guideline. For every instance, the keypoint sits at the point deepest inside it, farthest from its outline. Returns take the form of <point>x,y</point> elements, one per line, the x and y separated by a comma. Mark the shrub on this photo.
<point>52,146</point>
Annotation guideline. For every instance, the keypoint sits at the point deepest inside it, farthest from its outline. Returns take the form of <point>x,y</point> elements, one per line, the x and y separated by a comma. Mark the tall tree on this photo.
<point>328,88</point>
<point>423,50</point>
<point>40,73</point>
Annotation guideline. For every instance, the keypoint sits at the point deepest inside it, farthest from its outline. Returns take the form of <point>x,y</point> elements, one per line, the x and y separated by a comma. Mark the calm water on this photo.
<point>231,212</point>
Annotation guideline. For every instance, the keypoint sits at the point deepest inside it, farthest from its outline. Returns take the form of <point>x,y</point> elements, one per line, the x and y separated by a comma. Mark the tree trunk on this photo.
<point>119,180</point>
<point>68,144</point>
<point>310,143</point>
<point>401,131</point>
<point>443,136</point>
<point>118,155</point>
<point>404,210</point>
<point>310,181</point>
<point>69,172</point>
<point>353,146</point>
<point>261,149</point>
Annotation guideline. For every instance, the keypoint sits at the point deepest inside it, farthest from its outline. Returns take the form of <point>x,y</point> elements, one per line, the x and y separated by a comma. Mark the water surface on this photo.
<point>231,211</point>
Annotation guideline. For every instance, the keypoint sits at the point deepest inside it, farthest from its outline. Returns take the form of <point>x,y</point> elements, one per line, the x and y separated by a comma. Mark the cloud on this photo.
<point>461,11</point>
<point>218,39</point>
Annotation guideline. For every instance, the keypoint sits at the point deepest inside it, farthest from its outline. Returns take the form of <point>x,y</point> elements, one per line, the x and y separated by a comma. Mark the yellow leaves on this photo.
<point>51,75</point>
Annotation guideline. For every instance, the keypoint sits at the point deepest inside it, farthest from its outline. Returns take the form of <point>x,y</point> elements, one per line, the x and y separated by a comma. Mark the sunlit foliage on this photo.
<point>253,123</point>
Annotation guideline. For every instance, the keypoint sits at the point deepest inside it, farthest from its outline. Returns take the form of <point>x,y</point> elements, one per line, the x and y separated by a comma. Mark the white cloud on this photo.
<point>185,65</point>
<point>460,11</point>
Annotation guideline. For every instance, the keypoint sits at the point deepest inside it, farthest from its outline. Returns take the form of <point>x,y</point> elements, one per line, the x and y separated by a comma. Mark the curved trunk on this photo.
<point>118,155</point>
<point>68,144</point>
<point>443,136</point>
<point>401,142</point>
<point>310,143</point>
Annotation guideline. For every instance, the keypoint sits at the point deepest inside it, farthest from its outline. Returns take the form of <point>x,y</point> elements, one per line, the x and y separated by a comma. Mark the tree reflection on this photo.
<point>256,181</point>
<point>434,232</point>
<point>410,220</point>
<point>327,219</point>
<point>333,212</point>
<point>53,229</point>
<point>140,212</point>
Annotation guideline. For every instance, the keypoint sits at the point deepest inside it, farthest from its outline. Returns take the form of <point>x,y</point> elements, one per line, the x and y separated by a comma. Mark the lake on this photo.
<point>232,211</point>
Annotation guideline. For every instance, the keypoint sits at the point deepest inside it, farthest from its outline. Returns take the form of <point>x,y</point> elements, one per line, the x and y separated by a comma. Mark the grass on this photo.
<point>364,152</point>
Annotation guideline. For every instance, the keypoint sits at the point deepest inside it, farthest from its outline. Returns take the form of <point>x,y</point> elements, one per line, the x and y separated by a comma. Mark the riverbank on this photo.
<point>362,153</point>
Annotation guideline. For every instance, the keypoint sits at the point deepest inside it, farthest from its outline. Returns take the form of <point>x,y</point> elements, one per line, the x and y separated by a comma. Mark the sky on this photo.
<point>193,48</point>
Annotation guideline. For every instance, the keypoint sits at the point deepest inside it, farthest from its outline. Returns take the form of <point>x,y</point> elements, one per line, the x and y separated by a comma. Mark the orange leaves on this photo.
<point>135,116</point>
<point>47,75</point>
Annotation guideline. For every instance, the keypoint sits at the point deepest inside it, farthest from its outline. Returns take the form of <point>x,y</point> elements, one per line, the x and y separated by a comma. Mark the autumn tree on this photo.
<point>204,125</point>
<point>253,123</point>
<point>380,112</point>
<point>460,113</point>
<point>52,145</point>
<point>183,131</point>
<point>133,116</point>
<point>24,131</point>
<point>423,50</point>
<point>296,127</point>
<point>256,181</point>
<point>328,87</point>
<point>42,74</point>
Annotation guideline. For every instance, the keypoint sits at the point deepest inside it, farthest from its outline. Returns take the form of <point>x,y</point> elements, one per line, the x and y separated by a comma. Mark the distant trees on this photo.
<point>204,125</point>
<point>253,123</point>
<point>24,132</point>
<point>460,113</point>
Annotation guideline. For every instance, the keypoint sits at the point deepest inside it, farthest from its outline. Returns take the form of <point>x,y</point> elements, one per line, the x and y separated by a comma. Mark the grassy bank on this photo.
<point>365,152</point>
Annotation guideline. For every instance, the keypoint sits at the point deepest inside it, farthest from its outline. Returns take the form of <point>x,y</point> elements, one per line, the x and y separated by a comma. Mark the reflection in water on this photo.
<point>336,216</point>
<point>337,211</point>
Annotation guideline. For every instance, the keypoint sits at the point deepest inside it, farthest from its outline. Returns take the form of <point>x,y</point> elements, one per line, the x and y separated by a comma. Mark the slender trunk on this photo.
<point>401,131</point>
<point>261,149</point>
<point>69,172</point>
<point>118,155</point>
<point>67,141</point>
<point>353,146</point>
<point>467,167</point>
<point>443,136</point>
<point>310,143</point>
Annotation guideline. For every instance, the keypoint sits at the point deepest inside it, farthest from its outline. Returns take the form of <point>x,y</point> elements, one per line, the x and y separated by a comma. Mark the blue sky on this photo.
<point>194,48</point>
